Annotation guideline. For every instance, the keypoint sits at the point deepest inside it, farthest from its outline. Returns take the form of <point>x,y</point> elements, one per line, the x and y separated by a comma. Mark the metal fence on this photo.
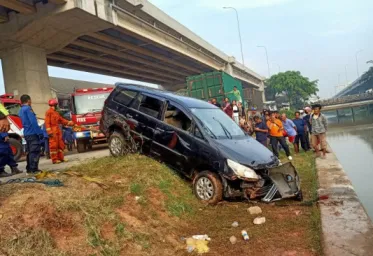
<point>347,99</point>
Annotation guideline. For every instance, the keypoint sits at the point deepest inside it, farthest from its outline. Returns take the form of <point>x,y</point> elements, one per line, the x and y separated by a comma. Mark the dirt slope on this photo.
<point>144,209</point>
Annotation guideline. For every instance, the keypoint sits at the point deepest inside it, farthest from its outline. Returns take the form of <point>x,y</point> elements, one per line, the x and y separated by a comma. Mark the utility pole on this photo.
<point>357,62</point>
<point>346,74</point>
<point>279,68</point>
<point>239,31</point>
<point>265,48</point>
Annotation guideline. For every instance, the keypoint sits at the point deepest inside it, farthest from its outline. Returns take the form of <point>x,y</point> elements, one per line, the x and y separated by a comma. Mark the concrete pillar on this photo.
<point>228,69</point>
<point>25,72</point>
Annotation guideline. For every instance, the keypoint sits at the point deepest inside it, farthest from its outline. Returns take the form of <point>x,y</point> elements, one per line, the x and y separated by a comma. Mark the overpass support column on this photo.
<point>26,72</point>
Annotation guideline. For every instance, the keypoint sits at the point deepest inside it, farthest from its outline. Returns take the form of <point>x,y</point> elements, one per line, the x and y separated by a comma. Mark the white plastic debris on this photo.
<point>137,198</point>
<point>235,224</point>
<point>259,220</point>
<point>201,237</point>
<point>245,235</point>
<point>233,239</point>
<point>254,210</point>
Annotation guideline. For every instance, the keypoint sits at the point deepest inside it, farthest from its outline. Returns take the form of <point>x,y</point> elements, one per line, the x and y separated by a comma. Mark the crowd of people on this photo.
<point>270,128</point>
<point>50,138</point>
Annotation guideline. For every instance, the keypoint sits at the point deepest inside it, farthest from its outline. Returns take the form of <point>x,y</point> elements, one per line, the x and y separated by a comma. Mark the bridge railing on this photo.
<point>347,99</point>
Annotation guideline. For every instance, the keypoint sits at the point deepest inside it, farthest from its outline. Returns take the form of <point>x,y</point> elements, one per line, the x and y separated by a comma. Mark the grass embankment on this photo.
<point>145,210</point>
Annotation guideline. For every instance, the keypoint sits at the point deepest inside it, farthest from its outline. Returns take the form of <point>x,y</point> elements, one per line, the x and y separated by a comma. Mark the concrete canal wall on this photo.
<point>347,229</point>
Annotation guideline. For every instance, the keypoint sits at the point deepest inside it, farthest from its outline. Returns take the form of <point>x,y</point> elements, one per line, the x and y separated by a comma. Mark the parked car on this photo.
<point>198,140</point>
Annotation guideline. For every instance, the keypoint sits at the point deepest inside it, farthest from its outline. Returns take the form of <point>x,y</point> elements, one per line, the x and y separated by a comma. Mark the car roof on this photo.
<point>182,100</point>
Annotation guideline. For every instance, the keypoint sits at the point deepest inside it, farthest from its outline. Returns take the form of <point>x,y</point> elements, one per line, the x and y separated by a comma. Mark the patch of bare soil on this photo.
<point>31,207</point>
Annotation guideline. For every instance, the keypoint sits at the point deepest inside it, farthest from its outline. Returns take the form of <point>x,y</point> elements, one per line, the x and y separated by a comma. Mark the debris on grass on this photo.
<point>259,220</point>
<point>233,240</point>
<point>198,245</point>
<point>255,210</point>
<point>245,235</point>
<point>235,224</point>
<point>201,237</point>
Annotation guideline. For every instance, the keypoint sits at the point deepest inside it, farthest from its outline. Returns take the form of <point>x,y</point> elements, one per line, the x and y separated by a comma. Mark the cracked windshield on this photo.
<point>199,127</point>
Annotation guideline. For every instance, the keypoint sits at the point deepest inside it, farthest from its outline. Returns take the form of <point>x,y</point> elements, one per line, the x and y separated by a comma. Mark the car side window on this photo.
<point>136,103</point>
<point>149,105</point>
<point>125,97</point>
<point>177,118</point>
<point>197,133</point>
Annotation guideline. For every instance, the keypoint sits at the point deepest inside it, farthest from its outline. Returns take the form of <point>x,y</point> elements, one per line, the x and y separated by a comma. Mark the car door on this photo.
<point>206,155</point>
<point>142,117</point>
<point>173,138</point>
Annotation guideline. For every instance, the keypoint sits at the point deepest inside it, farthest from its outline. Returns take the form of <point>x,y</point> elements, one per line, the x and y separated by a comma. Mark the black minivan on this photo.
<point>198,140</point>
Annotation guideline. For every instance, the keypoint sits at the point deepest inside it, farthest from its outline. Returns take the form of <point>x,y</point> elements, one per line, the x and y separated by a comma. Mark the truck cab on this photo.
<point>86,107</point>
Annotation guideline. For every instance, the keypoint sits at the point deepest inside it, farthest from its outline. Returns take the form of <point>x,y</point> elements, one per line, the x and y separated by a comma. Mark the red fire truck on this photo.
<point>86,107</point>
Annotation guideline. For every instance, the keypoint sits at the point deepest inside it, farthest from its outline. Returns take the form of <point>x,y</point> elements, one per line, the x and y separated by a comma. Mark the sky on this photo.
<point>318,38</point>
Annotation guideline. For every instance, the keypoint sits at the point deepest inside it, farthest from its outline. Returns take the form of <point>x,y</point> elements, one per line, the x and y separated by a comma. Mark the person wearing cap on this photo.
<point>53,120</point>
<point>32,134</point>
<point>319,128</point>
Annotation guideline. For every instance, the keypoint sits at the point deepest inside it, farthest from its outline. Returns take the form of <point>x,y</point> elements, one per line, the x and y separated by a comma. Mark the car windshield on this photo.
<point>217,124</point>
<point>13,108</point>
<point>89,103</point>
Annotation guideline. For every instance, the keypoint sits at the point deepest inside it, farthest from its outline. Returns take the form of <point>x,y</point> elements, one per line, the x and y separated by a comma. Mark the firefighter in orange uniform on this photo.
<point>53,120</point>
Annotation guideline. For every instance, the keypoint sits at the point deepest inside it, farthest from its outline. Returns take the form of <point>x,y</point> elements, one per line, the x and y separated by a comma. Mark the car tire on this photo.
<point>208,187</point>
<point>80,146</point>
<point>117,144</point>
<point>17,148</point>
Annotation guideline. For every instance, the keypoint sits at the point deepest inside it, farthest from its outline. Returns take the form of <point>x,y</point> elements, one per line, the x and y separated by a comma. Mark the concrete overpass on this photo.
<point>352,109</point>
<point>125,38</point>
<point>360,85</point>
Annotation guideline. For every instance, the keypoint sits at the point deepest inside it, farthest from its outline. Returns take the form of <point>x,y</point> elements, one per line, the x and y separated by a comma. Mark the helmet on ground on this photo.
<point>52,102</point>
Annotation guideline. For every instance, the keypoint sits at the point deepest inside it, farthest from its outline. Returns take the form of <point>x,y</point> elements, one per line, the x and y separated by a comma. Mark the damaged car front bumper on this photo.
<point>274,184</point>
<point>286,183</point>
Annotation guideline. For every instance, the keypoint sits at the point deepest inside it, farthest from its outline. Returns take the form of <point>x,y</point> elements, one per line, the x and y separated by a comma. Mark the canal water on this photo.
<point>353,146</point>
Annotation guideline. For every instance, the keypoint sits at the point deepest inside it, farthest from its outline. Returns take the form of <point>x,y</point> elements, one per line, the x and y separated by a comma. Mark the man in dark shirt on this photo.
<point>301,128</point>
<point>214,102</point>
<point>307,132</point>
<point>32,133</point>
<point>261,130</point>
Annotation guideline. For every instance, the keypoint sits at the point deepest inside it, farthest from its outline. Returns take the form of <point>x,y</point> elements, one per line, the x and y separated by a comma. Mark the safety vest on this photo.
<point>3,110</point>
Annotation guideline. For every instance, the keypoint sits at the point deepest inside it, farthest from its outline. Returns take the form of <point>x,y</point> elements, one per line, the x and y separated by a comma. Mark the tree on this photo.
<point>293,85</point>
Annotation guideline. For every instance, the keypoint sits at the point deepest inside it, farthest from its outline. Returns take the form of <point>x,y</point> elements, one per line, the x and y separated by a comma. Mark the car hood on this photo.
<point>247,151</point>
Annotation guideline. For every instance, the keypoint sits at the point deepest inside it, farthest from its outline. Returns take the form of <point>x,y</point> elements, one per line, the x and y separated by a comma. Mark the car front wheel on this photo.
<point>208,188</point>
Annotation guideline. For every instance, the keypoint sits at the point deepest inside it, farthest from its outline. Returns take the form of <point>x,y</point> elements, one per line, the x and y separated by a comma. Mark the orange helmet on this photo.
<point>52,102</point>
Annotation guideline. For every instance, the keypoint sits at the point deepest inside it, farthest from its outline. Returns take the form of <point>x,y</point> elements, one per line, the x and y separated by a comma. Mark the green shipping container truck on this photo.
<point>215,84</point>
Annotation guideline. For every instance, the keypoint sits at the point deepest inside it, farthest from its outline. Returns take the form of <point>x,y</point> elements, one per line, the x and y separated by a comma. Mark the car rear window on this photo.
<point>149,105</point>
<point>125,96</point>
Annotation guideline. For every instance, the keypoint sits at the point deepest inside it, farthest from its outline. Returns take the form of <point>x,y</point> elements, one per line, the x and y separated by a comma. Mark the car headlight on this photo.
<point>241,170</point>
<point>79,135</point>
